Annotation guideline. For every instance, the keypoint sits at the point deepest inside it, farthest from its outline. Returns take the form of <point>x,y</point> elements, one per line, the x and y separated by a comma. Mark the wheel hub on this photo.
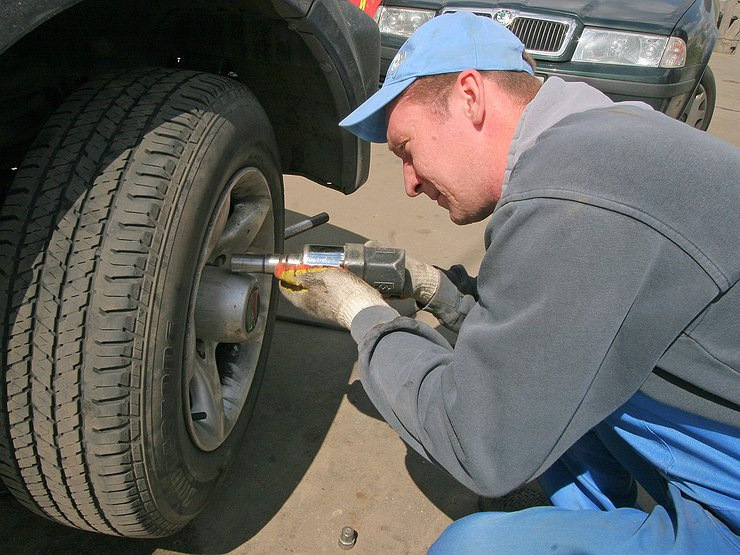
<point>227,306</point>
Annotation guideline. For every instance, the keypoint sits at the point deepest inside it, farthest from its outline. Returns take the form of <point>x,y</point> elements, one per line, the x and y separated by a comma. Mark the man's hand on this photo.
<point>422,280</point>
<point>328,293</point>
<point>448,294</point>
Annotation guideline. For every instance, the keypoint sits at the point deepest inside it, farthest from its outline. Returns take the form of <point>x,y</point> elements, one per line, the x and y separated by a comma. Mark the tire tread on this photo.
<point>73,236</point>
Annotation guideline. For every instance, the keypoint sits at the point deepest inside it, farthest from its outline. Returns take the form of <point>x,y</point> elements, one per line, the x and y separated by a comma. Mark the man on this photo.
<point>598,346</point>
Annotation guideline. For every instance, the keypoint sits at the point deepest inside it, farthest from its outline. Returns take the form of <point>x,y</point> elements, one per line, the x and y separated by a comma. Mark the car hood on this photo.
<point>653,15</point>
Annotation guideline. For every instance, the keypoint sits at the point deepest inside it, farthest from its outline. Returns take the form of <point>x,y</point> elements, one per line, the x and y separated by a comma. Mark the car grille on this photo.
<point>536,34</point>
<point>543,35</point>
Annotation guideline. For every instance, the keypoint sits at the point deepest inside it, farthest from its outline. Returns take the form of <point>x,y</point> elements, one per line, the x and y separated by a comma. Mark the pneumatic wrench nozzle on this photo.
<point>260,263</point>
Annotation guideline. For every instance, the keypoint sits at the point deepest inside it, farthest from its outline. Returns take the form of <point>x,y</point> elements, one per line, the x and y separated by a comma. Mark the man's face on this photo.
<point>444,158</point>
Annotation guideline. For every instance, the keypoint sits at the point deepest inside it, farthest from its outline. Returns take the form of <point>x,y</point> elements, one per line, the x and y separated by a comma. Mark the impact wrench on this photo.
<point>383,268</point>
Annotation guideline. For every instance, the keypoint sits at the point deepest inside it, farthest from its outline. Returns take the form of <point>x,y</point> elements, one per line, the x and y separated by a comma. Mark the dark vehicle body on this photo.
<point>551,30</point>
<point>142,145</point>
<point>48,47</point>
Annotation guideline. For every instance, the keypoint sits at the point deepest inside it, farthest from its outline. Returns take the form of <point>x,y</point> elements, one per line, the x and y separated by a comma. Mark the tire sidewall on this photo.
<point>180,475</point>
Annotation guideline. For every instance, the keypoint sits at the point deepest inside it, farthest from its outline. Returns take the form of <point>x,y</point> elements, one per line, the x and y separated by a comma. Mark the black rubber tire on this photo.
<point>98,240</point>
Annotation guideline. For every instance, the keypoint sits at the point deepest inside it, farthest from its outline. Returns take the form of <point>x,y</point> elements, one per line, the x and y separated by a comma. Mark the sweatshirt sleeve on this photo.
<point>572,314</point>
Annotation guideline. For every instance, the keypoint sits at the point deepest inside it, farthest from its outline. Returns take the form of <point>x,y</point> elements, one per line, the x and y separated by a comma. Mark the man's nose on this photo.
<point>411,181</point>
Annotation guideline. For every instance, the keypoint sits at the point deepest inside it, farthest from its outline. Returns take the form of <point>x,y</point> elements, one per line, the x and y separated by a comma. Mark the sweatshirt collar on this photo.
<point>555,100</point>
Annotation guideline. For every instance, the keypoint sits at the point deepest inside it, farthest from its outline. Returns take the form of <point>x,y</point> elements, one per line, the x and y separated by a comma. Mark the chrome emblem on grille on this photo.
<point>504,17</point>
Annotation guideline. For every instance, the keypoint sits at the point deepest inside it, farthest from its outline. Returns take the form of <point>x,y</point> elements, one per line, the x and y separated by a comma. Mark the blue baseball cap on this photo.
<point>449,43</point>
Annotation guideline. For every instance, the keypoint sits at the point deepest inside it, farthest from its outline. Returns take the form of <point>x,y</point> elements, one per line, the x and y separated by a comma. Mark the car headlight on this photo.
<point>638,49</point>
<point>401,21</point>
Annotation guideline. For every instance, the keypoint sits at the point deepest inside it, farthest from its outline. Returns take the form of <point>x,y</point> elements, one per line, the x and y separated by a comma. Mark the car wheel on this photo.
<point>699,110</point>
<point>131,360</point>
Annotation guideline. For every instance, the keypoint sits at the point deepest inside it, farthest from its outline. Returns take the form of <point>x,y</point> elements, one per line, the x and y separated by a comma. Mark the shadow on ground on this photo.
<point>437,485</point>
<point>300,396</point>
<point>306,378</point>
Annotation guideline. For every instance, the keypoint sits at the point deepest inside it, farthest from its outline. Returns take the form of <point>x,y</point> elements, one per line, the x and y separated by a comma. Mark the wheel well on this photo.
<point>248,41</point>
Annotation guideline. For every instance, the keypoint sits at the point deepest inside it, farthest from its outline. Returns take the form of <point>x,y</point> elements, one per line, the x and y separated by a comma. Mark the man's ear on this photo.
<point>470,94</point>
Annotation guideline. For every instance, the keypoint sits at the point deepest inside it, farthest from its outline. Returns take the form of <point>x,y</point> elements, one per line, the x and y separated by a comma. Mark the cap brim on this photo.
<point>368,121</point>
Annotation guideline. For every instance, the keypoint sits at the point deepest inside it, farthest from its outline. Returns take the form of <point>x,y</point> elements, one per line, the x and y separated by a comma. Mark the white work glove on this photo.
<point>448,294</point>
<point>327,293</point>
<point>422,280</point>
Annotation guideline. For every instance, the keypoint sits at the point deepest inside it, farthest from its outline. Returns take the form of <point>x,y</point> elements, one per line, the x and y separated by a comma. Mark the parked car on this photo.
<point>141,145</point>
<point>656,52</point>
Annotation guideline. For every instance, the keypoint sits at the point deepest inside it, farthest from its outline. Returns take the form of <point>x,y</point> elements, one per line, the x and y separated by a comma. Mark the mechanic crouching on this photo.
<point>599,346</point>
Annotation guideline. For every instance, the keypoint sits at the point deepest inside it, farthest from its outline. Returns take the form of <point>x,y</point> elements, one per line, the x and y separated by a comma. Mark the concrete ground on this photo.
<point>317,456</point>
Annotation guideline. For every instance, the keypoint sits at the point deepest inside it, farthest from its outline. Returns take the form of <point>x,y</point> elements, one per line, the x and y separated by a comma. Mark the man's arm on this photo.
<point>576,304</point>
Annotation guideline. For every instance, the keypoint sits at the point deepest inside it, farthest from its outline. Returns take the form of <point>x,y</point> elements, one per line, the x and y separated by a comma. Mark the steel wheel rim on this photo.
<point>698,109</point>
<point>218,375</point>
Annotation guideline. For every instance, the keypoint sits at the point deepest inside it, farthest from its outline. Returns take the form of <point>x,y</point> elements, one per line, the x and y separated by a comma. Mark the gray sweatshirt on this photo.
<point>611,266</point>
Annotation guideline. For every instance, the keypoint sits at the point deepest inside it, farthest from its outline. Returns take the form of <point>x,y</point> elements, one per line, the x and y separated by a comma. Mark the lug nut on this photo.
<point>347,538</point>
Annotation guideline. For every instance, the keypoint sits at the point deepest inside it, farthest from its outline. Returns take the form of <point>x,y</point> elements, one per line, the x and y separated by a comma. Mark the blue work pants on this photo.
<point>689,466</point>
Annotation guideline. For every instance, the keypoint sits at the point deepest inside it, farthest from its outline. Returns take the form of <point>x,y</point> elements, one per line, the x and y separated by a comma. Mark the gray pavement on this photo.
<point>317,456</point>
<point>726,121</point>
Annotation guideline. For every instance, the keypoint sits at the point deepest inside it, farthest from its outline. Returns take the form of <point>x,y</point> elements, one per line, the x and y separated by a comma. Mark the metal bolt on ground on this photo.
<point>347,538</point>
